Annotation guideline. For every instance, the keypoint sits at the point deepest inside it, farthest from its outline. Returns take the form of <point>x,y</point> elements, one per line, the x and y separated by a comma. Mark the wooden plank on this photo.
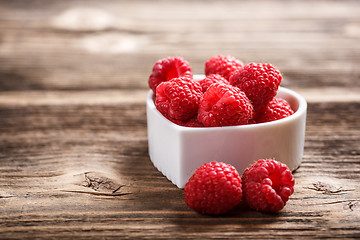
<point>75,170</point>
<point>49,46</point>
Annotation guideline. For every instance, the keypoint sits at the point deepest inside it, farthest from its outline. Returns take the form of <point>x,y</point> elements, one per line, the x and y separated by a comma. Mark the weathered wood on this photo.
<point>74,170</point>
<point>73,137</point>
<point>114,45</point>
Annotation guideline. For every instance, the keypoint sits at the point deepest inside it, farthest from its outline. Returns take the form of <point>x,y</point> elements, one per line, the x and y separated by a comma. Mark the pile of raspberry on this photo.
<point>232,93</point>
<point>216,187</point>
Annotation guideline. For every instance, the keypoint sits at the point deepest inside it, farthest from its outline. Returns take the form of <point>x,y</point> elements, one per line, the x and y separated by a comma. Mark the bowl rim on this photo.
<point>298,113</point>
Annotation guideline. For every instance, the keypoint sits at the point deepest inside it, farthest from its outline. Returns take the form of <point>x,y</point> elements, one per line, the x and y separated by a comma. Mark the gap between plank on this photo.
<point>110,97</point>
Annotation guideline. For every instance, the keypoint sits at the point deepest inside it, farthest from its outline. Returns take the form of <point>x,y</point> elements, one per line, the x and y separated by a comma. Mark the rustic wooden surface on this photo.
<point>73,141</point>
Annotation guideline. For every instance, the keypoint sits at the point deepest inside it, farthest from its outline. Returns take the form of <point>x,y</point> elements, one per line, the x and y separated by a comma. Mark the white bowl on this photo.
<point>178,151</point>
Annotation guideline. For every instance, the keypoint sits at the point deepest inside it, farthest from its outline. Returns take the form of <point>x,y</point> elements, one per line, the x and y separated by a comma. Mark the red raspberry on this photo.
<point>193,122</point>
<point>223,65</point>
<point>224,105</point>
<point>276,109</point>
<point>178,98</point>
<point>267,185</point>
<point>210,79</point>
<point>168,68</point>
<point>215,188</point>
<point>259,81</point>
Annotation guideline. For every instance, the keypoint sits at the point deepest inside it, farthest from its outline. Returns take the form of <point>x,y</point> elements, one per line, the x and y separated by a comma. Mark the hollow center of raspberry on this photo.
<point>172,73</point>
<point>276,182</point>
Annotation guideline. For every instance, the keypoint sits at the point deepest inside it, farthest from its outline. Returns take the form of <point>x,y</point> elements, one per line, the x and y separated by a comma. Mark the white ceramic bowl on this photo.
<point>178,151</point>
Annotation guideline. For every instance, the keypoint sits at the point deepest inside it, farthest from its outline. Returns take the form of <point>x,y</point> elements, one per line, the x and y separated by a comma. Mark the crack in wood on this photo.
<point>99,184</point>
<point>5,195</point>
<point>351,205</point>
<point>97,193</point>
<point>328,188</point>
<point>118,188</point>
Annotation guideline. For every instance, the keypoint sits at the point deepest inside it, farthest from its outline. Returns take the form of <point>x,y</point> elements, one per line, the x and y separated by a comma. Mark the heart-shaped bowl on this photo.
<point>177,151</point>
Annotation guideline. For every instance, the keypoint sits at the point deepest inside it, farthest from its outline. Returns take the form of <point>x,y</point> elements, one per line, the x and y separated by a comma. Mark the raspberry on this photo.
<point>178,98</point>
<point>193,122</point>
<point>223,65</point>
<point>224,105</point>
<point>215,188</point>
<point>276,109</point>
<point>259,81</point>
<point>210,79</point>
<point>168,68</point>
<point>267,185</point>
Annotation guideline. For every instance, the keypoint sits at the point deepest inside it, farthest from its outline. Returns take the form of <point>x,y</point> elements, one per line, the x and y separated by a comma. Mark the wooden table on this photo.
<point>73,141</point>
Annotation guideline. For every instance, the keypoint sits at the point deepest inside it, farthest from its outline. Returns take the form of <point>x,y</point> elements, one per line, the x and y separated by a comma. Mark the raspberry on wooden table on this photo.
<point>277,108</point>
<point>168,68</point>
<point>224,105</point>
<point>210,79</point>
<point>267,185</point>
<point>214,188</point>
<point>259,81</point>
<point>178,98</point>
<point>222,65</point>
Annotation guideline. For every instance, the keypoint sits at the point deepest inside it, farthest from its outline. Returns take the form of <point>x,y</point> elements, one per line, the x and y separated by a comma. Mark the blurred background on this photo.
<point>92,45</point>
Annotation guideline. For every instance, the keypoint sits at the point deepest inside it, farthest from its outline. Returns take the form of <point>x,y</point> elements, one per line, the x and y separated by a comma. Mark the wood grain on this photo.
<point>46,164</point>
<point>44,44</point>
<point>73,137</point>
